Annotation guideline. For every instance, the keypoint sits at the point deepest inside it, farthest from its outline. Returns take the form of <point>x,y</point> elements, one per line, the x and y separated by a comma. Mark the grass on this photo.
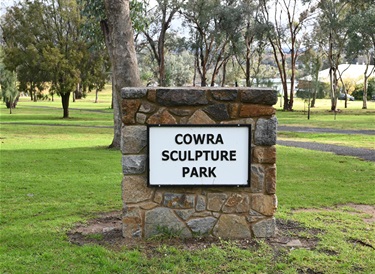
<point>55,176</point>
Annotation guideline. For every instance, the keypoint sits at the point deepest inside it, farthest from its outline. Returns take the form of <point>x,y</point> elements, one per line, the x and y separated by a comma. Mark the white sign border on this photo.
<point>248,183</point>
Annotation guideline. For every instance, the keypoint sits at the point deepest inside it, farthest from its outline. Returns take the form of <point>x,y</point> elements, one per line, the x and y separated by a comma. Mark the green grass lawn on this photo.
<point>55,173</point>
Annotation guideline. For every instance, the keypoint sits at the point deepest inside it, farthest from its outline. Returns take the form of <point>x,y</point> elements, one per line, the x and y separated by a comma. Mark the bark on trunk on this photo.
<point>65,104</point>
<point>119,39</point>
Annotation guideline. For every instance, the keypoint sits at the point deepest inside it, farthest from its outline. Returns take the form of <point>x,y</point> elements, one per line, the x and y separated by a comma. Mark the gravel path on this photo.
<point>363,153</point>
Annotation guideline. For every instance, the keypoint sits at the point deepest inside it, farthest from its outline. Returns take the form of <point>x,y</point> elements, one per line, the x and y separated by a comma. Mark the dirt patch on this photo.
<point>106,231</point>
<point>358,209</point>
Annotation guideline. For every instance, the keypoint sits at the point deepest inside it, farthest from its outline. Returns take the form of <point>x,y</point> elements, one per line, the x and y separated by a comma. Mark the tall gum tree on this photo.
<point>119,39</point>
<point>287,21</point>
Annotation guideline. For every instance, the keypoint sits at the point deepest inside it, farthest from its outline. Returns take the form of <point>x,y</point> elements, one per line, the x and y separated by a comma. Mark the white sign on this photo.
<point>199,155</point>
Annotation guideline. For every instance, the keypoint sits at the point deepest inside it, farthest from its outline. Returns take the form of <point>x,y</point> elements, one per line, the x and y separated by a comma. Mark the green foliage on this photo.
<point>358,92</point>
<point>9,92</point>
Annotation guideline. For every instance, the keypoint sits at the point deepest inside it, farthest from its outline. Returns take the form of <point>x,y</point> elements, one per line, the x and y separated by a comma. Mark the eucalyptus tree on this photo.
<point>333,30</point>
<point>215,26</point>
<point>362,40</point>
<point>287,24</point>
<point>159,19</point>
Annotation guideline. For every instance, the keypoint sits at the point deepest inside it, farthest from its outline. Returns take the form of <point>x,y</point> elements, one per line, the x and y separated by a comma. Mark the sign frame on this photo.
<point>246,161</point>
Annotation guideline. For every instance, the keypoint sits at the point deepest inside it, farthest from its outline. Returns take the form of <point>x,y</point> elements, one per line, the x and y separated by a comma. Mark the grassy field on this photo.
<point>55,173</point>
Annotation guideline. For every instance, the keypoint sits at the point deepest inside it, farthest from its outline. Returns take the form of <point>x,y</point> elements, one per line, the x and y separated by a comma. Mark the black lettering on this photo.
<point>171,155</point>
<point>215,155</point>
<point>199,139</point>
<point>176,139</point>
<point>187,139</point>
<point>202,172</point>
<point>211,172</point>
<point>198,154</point>
<point>219,139</point>
<point>165,155</point>
<point>232,156</point>
<point>185,170</point>
<point>224,155</point>
<point>182,155</point>
<point>210,138</point>
<point>194,172</point>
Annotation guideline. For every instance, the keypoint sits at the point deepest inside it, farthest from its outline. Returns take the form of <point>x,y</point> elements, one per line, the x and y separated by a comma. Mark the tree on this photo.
<point>332,28</point>
<point>8,84</point>
<point>362,40</point>
<point>215,25</point>
<point>160,19</point>
<point>118,33</point>
<point>285,39</point>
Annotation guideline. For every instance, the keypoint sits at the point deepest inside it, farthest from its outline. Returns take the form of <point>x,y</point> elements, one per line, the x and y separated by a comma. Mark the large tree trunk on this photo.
<point>65,104</point>
<point>119,39</point>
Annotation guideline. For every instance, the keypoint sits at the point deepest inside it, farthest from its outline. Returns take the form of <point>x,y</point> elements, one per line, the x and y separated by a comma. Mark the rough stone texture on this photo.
<point>181,111</point>
<point>132,223</point>
<point>201,203</point>
<point>174,200</point>
<point>259,96</point>
<point>216,201</point>
<point>217,112</point>
<point>186,97</point>
<point>225,94</point>
<point>257,178</point>
<point>264,204</point>
<point>129,109</point>
<point>256,111</point>
<point>232,226</point>
<point>199,117</point>
<point>243,121</point>
<point>184,214</point>
<point>133,164</point>
<point>160,217</point>
<point>265,132</point>
<point>134,139</point>
<point>140,118</point>
<point>202,226</point>
<point>237,203</point>
<point>133,93</point>
<point>265,228</point>
<point>162,117</point>
<point>233,110</point>
<point>147,107</point>
<point>264,155</point>
<point>270,179</point>
<point>134,189</point>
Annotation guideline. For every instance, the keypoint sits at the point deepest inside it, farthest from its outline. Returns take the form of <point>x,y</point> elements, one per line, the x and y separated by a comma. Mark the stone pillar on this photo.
<point>227,212</point>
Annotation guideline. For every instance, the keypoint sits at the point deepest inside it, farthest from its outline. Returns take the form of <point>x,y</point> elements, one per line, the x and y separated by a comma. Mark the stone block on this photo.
<point>217,111</point>
<point>174,200</point>
<point>265,132</point>
<point>133,93</point>
<point>151,95</point>
<point>134,139</point>
<point>232,226</point>
<point>181,97</point>
<point>133,164</point>
<point>202,226</point>
<point>243,121</point>
<point>181,111</point>
<point>200,117</point>
<point>184,214</point>
<point>257,178</point>
<point>161,218</point>
<point>237,203</point>
<point>270,179</point>
<point>259,96</point>
<point>264,155</point>
<point>201,203</point>
<point>265,228</point>
<point>135,190</point>
<point>147,107</point>
<point>264,204</point>
<point>215,201</point>
<point>129,109</point>
<point>132,223</point>
<point>224,94</point>
<point>162,117</point>
<point>234,109</point>
<point>250,110</point>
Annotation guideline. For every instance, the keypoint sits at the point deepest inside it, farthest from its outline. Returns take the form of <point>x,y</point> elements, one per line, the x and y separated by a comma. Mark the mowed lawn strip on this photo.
<point>53,177</point>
